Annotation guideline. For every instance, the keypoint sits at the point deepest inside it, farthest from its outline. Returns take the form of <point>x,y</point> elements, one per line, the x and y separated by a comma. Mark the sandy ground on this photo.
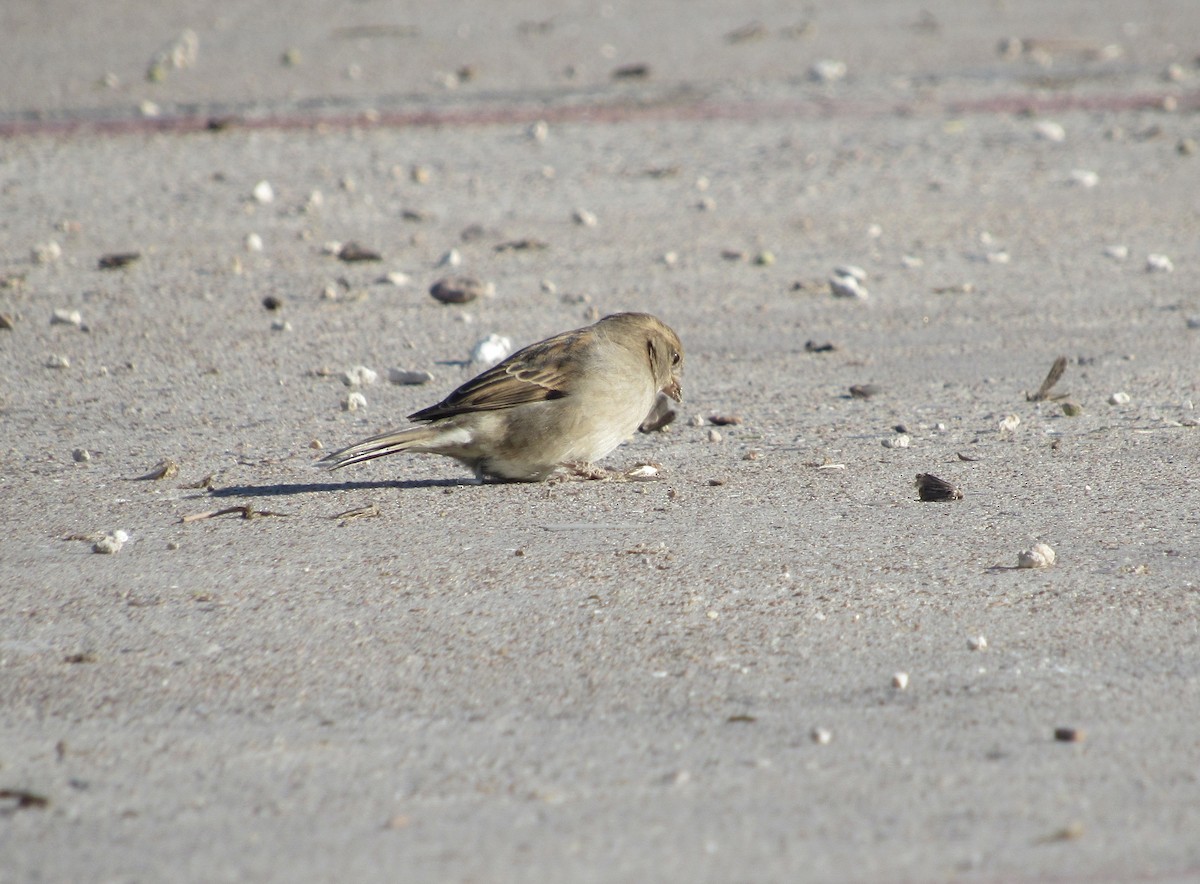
<point>607,680</point>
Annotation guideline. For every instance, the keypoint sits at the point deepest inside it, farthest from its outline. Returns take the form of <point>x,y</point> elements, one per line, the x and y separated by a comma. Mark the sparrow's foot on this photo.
<point>586,471</point>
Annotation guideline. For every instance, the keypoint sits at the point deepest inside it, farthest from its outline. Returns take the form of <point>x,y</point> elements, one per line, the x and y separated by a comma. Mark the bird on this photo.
<point>564,402</point>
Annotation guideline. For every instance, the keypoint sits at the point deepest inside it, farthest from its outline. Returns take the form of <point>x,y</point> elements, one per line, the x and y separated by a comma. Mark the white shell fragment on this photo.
<point>490,350</point>
<point>977,643</point>
<point>1118,398</point>
<point>1084,178</point>
<point>46,252</point>
<point>66,317</point>
<point>827,70</point>
<point>179,54</point>
<point>253,242</point>
<point>354,402</point>
<point>1039,555</point>
<point>847,287</point>
<point>409,377</point>
<point>263,192</point>
<point>451,258</point>
<point>821,736</point>
<point>1116,252</point>
<point>56,360</point>
<point>584,218</point>
<point>714,435</point>
<point>899,441</point>
<point>359,376</point>
<point>900,681</point>
<point>1156,263</point>
<point>642,473</point>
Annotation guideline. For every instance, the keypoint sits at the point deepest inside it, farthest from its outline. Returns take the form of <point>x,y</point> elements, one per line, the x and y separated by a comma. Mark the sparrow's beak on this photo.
<point>674,390</point>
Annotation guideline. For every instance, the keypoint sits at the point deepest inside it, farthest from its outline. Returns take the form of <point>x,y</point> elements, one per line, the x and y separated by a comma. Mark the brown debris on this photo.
<point>352,251</point>
<point>115,260</point>
<point>1055,374</point>
<point>164,469</point>
<point>245,511</point>
<point>930,487</point>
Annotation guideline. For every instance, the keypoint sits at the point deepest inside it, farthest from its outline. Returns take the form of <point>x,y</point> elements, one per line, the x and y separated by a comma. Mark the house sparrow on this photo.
<point>566,401</point>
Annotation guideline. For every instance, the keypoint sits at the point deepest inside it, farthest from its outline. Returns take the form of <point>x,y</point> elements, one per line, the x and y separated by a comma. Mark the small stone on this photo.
<point>847,286</point>
<point>1159,264</point>
<point>291,57</point>
<point>272,303</point>
<point>111,544</point>
<point>451,258</point>
<point>359,376</point>
<point>66,317</point>
<point>1118,398</point>
<point>353,252</point>
<point>538,130</point>
<point>81,455</point>
<point>931,488</point>
<point>642,472</point>
<point>149,109</point>
<point>263,192</point>
<point>1072,409</point>
<point>1040,555</point>
<point>461,289</point>
<point>354,402</point>
<point>1186,147</point>
<point>899,441</point>
<point>851,270</point>
<point>714,435</point>
<point>1116,252</point>
<point>670,259</point>
<point>46,252</point>
<point>584,218</point>
<point>420,175</point>
<point>396,278</point>
<point>820,736</point>
<point>900,680</point>
<point>911,262</point>
<point>764,258</point>
<point>490,350</point>
<point>281,325</point>
<point>253,242</point>
<point>864,391</point>
<point>55,360</point>
<point>409,377</point>
<point>1069,735</point>
<point>977,643</point>
<point>1010,423</point>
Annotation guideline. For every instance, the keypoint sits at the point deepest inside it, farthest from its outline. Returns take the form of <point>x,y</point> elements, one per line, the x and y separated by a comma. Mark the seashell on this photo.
<point>491,350</point>
<point>1040,555</point>
<point>359,376</point>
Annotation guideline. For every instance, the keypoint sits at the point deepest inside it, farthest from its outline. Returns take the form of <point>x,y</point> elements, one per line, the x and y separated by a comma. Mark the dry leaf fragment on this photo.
<point>114,260</point>
<point>930,487</point>
<point>1052,377</point>
<point>164,469</point>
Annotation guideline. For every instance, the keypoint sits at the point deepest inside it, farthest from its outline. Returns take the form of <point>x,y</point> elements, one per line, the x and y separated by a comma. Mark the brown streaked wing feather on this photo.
<point>541,371</point>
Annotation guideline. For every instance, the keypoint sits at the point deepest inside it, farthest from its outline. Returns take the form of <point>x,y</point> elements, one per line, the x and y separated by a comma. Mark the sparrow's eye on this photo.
<point>674,358</point>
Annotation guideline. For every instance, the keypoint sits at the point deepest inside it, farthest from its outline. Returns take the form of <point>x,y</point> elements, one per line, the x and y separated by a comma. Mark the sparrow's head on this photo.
<point>662,347</point>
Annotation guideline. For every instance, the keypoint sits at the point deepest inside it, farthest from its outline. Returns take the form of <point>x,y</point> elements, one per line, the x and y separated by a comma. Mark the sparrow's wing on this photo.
<point>545,370</point>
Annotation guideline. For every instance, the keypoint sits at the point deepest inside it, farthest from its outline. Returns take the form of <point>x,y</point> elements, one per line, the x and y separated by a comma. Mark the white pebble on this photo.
<point>1159,264</point>
<point>1010,424</point>
<point>54,360</point>
<point>409,377</point>
<point>1117,253</point>
<point>538,130</point>
<point>281,325</point>
<point>354,402</point>
<point>670,258</point>
<point>911,262</point>
<point>110,544</point>
<point>821,736</point>
<point>66,317</point>
<point>1048,130</point>
<point>451,258</point>
<point>900,441</point>
<point>1038,556</point>
<point>900,681</point>
<point>263,192</point>
<point>149,109</point>
<point>46,252</point>
<point>851,270</point>
<point>714,435</point>
<point>1119,398</point>
<point>397,278</point>
<point>584,218</point>
<point>999,257</point>
<point>491,350</point>
<point>645,471</point>
<point>977,643</point>
<point>254,242</point>
<point>359,376</point>
<point>847,287</point>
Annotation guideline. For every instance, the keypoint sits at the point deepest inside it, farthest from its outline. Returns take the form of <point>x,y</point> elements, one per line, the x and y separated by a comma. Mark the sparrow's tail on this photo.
<point>430,438</point>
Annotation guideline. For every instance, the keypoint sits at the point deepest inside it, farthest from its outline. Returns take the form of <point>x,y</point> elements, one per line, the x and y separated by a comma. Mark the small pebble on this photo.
<point>490,350</point>
<point>1116,252</point>
<point>253,242</point>
<point>1156,263</point>
<point>1186,147</point>
<point>1069,735</point>
<point>1084,178</point>
<point>409,377</point>
<point>820,736</point>
<point>931,488</point>
<point>900,681</point>
<point>1010,423</point>
<point>977,643</point>
<point>263,192</point>
<point>396,278</point>
<point>281,325</point>
<point>643,472</point>
<point>451,258</point>
<point>1118,398</point>
<point>847,287</point>
<point>714,435</point>
<point>66,317</point>
<point>538,130</point>
<point>359,376</point>
<point>865,391</point>
<point>461,289</point>
<point>352,252</point>
<point>1040,555</point>
<point>764,259</point>
<point>81,455</point>
<point>272,303</point>
<point>900,441</point>
<point>55,360</point>
<point>110,543</point>
<point>1072,409</point>
<point>584,218</point>
<point>420,174</point>
<point>354,402</point>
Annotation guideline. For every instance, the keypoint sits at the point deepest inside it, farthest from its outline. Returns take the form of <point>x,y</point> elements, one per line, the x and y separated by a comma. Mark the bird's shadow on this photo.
<point>287,490</point>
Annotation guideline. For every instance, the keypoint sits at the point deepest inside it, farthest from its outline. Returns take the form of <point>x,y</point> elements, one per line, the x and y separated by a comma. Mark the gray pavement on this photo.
<point>612,680</point>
